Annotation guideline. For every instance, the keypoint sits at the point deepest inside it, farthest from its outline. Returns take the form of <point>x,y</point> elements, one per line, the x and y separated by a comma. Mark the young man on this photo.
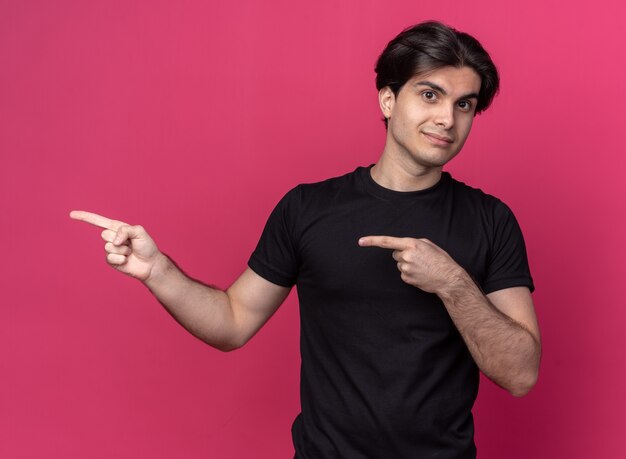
<point>409,281</point>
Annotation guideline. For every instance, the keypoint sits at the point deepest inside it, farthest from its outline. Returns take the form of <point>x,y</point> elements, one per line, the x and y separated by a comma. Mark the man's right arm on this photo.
<point>225,320</point>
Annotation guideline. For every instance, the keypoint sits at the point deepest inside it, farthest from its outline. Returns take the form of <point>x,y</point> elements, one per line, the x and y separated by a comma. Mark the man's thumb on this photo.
<point>127,232</point>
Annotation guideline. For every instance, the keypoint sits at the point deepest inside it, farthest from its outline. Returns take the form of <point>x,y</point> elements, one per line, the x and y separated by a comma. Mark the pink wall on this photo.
<point>193,118</point>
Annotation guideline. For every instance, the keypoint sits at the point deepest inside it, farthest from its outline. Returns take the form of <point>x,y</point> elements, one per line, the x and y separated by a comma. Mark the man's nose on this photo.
<point>445,116</point>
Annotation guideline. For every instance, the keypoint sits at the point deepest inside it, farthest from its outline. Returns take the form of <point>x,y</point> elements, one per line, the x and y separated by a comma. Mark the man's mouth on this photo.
<point>438,139</point>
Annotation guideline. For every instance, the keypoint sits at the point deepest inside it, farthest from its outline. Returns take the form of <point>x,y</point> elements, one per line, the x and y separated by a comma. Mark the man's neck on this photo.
<point>397,176</point>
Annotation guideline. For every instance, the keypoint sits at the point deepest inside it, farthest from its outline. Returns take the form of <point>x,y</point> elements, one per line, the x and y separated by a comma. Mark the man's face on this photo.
<point>430,118</point>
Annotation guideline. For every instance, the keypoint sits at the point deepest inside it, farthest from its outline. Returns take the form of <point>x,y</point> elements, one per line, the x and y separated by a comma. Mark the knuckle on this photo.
<point>123,233</point>
<point>115,259</point>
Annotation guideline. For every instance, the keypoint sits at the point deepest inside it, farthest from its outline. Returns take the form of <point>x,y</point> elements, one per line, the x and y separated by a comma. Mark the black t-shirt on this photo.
<point>385,374</point>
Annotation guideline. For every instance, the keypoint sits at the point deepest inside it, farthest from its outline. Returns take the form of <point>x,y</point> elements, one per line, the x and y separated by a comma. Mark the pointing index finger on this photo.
<point>385,242</point>
<point>96,220</point>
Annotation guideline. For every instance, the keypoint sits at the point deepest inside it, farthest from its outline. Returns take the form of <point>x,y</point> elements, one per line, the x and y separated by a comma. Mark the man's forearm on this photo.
<point>503,349</point>
<point>204,311</point>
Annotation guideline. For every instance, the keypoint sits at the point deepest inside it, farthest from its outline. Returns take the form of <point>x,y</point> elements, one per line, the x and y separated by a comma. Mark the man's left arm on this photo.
<point>500,329</point>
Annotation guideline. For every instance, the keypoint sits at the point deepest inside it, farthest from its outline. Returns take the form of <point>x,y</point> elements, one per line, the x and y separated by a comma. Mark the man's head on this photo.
<point>432,80</point>
<point>429,46</point>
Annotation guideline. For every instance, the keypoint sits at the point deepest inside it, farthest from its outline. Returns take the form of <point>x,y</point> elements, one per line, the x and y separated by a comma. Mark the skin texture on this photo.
<point>428,122</point>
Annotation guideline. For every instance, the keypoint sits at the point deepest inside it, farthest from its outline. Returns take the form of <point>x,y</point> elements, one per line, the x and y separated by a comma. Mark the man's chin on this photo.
<point>439,159</point>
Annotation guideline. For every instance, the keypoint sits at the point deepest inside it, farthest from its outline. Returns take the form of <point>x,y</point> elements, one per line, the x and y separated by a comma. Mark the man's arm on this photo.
<point>500,329</point>
<point>225,320</point>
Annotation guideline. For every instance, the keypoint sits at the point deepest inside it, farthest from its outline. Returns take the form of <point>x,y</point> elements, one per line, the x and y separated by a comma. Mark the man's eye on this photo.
<point>429,95</point>
<point>465,105</point>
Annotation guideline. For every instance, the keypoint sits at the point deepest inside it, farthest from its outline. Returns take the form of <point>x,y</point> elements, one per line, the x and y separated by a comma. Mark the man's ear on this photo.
<point>386,100</point>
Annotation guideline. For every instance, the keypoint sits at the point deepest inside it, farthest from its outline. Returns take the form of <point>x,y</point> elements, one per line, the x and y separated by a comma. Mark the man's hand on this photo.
<point>421,263</point>
<point>129,248</point>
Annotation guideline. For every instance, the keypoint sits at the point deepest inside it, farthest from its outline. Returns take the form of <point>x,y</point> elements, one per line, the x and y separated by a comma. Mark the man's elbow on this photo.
<point>527,378</point>
<point>524,384</point>
<point>231,345</point>
<point>224,345</point>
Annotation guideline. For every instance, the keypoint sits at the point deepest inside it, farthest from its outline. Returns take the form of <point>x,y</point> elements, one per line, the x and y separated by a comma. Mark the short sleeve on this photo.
<point>275,257</point>
<point>508,261</point>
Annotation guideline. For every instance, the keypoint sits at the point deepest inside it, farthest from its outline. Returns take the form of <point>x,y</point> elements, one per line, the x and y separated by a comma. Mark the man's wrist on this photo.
<point>158,271</point>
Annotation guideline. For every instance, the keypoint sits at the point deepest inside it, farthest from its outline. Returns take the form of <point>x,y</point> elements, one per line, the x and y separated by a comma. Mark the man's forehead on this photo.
<point>450,79</point>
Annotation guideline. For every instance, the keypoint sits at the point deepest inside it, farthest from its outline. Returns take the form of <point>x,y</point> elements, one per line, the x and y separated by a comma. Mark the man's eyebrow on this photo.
<point>436,87</point>
<point>432,85</point>
<point>471,95</point>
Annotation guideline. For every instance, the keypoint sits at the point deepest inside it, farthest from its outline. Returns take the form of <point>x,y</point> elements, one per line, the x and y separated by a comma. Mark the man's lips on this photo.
<point>438,139</point>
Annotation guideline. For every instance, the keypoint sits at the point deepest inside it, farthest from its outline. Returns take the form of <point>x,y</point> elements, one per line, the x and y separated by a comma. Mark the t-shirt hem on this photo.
<point>269,273</point>
<point>509,283</point>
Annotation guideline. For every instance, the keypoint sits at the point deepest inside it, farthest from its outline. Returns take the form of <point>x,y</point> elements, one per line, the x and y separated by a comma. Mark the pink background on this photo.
<point>193,118</point>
